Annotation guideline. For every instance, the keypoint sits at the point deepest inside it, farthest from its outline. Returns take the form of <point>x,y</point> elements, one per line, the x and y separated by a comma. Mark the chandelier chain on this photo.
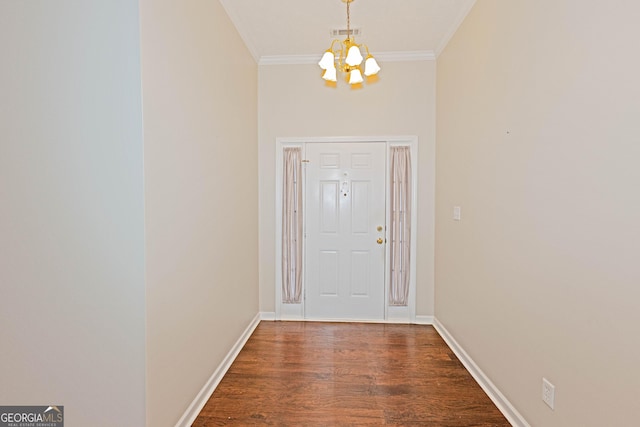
<point>348,20</point>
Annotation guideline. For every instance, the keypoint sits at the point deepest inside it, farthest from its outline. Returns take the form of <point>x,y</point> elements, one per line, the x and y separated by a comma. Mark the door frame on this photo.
<point>391,314</point>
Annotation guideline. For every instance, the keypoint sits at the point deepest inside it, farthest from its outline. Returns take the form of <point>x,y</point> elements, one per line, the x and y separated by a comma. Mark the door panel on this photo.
<point>345,197</point>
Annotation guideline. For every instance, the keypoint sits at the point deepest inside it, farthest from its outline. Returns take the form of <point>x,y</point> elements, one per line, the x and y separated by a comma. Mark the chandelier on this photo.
<point>347,58</point>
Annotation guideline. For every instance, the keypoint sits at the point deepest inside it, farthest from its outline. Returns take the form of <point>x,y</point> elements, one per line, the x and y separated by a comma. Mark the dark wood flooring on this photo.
<point>348,374</point>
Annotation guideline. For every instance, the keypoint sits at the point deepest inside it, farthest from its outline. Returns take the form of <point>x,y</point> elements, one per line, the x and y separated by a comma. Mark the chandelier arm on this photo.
<point>337,54</point>
<point>333,44</point>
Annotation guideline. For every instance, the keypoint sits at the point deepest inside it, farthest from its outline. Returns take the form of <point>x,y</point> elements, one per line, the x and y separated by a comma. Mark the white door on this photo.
<point>345,237</point>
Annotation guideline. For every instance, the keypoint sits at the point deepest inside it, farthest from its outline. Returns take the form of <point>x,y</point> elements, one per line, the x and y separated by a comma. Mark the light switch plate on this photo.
<point>456,213</point>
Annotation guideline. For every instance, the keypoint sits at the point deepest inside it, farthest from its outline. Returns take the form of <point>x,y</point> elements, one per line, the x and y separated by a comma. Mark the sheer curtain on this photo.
<point>292,226</point>
<point>400,235</point>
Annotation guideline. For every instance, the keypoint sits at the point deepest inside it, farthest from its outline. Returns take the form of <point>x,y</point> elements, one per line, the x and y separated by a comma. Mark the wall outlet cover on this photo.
<point>548,393</point>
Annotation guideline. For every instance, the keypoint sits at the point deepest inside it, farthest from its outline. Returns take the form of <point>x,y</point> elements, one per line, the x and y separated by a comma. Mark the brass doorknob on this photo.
<point>380,241</point>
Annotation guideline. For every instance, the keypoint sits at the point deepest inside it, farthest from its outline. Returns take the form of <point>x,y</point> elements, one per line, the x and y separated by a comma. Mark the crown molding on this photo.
<point>289,59</point>
<point>404,56</point>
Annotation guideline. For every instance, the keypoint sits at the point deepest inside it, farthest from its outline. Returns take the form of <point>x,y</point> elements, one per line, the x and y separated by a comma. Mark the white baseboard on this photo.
<point>198,403</point>
<point>503,404</point>
<point>424,320</point>
<point>338,320</point>
<point>268,316</point>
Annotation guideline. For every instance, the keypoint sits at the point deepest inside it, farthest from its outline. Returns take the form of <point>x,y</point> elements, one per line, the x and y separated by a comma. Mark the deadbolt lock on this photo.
<point>379,228</point>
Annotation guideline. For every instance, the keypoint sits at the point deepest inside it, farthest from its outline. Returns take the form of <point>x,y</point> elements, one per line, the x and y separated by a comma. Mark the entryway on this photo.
<point>335,207</point>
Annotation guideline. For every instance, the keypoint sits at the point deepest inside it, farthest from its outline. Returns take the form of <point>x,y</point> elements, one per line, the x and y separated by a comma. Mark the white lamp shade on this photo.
<point>355,76</point>
<point>327,61</point>
<point>330,74</point>
<point>371,66</point>
<point>354,57</point>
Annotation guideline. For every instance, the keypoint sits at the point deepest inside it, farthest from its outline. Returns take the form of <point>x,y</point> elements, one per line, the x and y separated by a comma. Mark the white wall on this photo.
<point>294,102</point>
<point>71,210</point>
<point>538,141</point>
<point>201,193</point>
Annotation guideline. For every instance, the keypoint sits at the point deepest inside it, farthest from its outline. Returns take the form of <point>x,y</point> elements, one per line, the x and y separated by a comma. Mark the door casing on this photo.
<point>392,314</point>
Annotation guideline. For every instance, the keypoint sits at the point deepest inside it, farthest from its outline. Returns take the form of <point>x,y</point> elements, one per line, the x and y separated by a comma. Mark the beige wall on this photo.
<point>294,102</point>
<point>71,210</point>
<point>200,118</point>
<point>538,141</point>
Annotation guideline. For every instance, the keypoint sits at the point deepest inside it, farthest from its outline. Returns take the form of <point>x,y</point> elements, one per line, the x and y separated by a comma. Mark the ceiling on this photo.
<point>299,30</point>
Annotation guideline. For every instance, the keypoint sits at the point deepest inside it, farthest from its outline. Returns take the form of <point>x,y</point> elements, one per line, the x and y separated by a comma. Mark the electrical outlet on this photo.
<point>548,393</point>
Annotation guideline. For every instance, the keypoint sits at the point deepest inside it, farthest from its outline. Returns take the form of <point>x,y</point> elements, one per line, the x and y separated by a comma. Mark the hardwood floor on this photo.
<point>348,374</point>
